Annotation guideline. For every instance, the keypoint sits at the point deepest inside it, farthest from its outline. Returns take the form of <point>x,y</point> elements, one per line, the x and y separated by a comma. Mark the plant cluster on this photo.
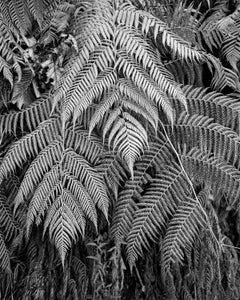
<point>119,149</point>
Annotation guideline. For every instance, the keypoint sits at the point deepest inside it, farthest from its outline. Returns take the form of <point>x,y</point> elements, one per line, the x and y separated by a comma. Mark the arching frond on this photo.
<point>132,17</point>
<point>8,225</point>
<point>126,204</point>
<point>81,169</point>
<point>65,220</point>
<point>111,168</point>
<point>181,233</point>
<point>185,73</point>
<point>60,181</point>
<point>224,109</point>
<point>29,146</point>
<point>4,256</point>
<point>225,78</point>
<point>158,203</point>
<point>215,172</point>
<point>200,131</point>
<point>127,135</point>
<point>28,118</point>
<point>78,139</point>
<point>46,159</point>
<point>106,69</point>
<point>231,47</point>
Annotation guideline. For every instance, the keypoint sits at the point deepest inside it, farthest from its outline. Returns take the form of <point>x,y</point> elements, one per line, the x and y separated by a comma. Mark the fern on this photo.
<point>121,137</point>
<point>89,74</point>
<point>57,177</point>
<point>126,206</point>
<point>222,108</point>
<point>181,232</point>
<point>154,210</point>
<point>222,176</point>
<point>28,118</point>
<point>230,47</point>
<point>4,254</point>
<point>200,131</point>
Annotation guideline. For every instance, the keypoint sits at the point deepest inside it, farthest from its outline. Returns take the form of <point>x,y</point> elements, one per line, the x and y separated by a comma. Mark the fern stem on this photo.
<point>191,185</point>
<point>140,279</point>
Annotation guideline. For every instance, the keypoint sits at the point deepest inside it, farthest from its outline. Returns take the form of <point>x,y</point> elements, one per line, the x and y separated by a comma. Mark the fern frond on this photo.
<point>79,191</point>
<point>231,47</point>
<point>20,15</point>
<point>89,28</point>
<point>79,268</point>
<point>102,108</point>
<point>185,73</point>
<point>225,78</point>
<point>113,171</point>
<point>200,131</point>
<point>155,207</point>
<point>127,135</point>
<point>214,172</point>
<point>65,220</point>
<point>43,196</point>
<point>126,205</point>
<point>99,61</point>
<point>80,168</point>
<point>224,109</point>
<point>129,90</point>
<point>209,31</point>
<point>78,139</point>
<point>28,118</point>
<point>46,159</point>
<point>8,225</point>
<point>137,47</point>
<point>181,233</point>
<point>5,68</point>
<point>21,87</point>
<point>4,256</point>
<point>29,146</point>
<point>103,83</point>
<point>132,17</point>
<point>143,81</point>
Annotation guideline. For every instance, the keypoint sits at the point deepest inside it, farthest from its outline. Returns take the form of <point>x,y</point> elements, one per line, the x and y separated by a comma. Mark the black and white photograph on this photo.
<point>119,149</point>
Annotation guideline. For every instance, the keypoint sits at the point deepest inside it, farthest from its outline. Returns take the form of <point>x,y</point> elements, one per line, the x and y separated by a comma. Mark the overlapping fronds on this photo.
<point>19,13</point>
<point>128,14</point>
<point>212,159</point>
<point>110,166</point>
<point>231,47</point>
<point>57,22</point>
<point>209,31</point>
<point>201,131</point>
<point>106,71</point>
<point>207,169</point>
<point>185,73</point>
<point>181,233</point>
<point>10,60</point>
<point>60,182</point>
<point>4,255</point>
<point>27,119</point>
<point>224,78</point>
<point>127,128</point>
<point>223,109</point>
<point>8,226</point>
<point>126,204</point>
<point>158,203</point>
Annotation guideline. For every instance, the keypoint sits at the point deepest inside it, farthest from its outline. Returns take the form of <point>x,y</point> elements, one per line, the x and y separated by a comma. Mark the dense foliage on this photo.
<point>119,149</point>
